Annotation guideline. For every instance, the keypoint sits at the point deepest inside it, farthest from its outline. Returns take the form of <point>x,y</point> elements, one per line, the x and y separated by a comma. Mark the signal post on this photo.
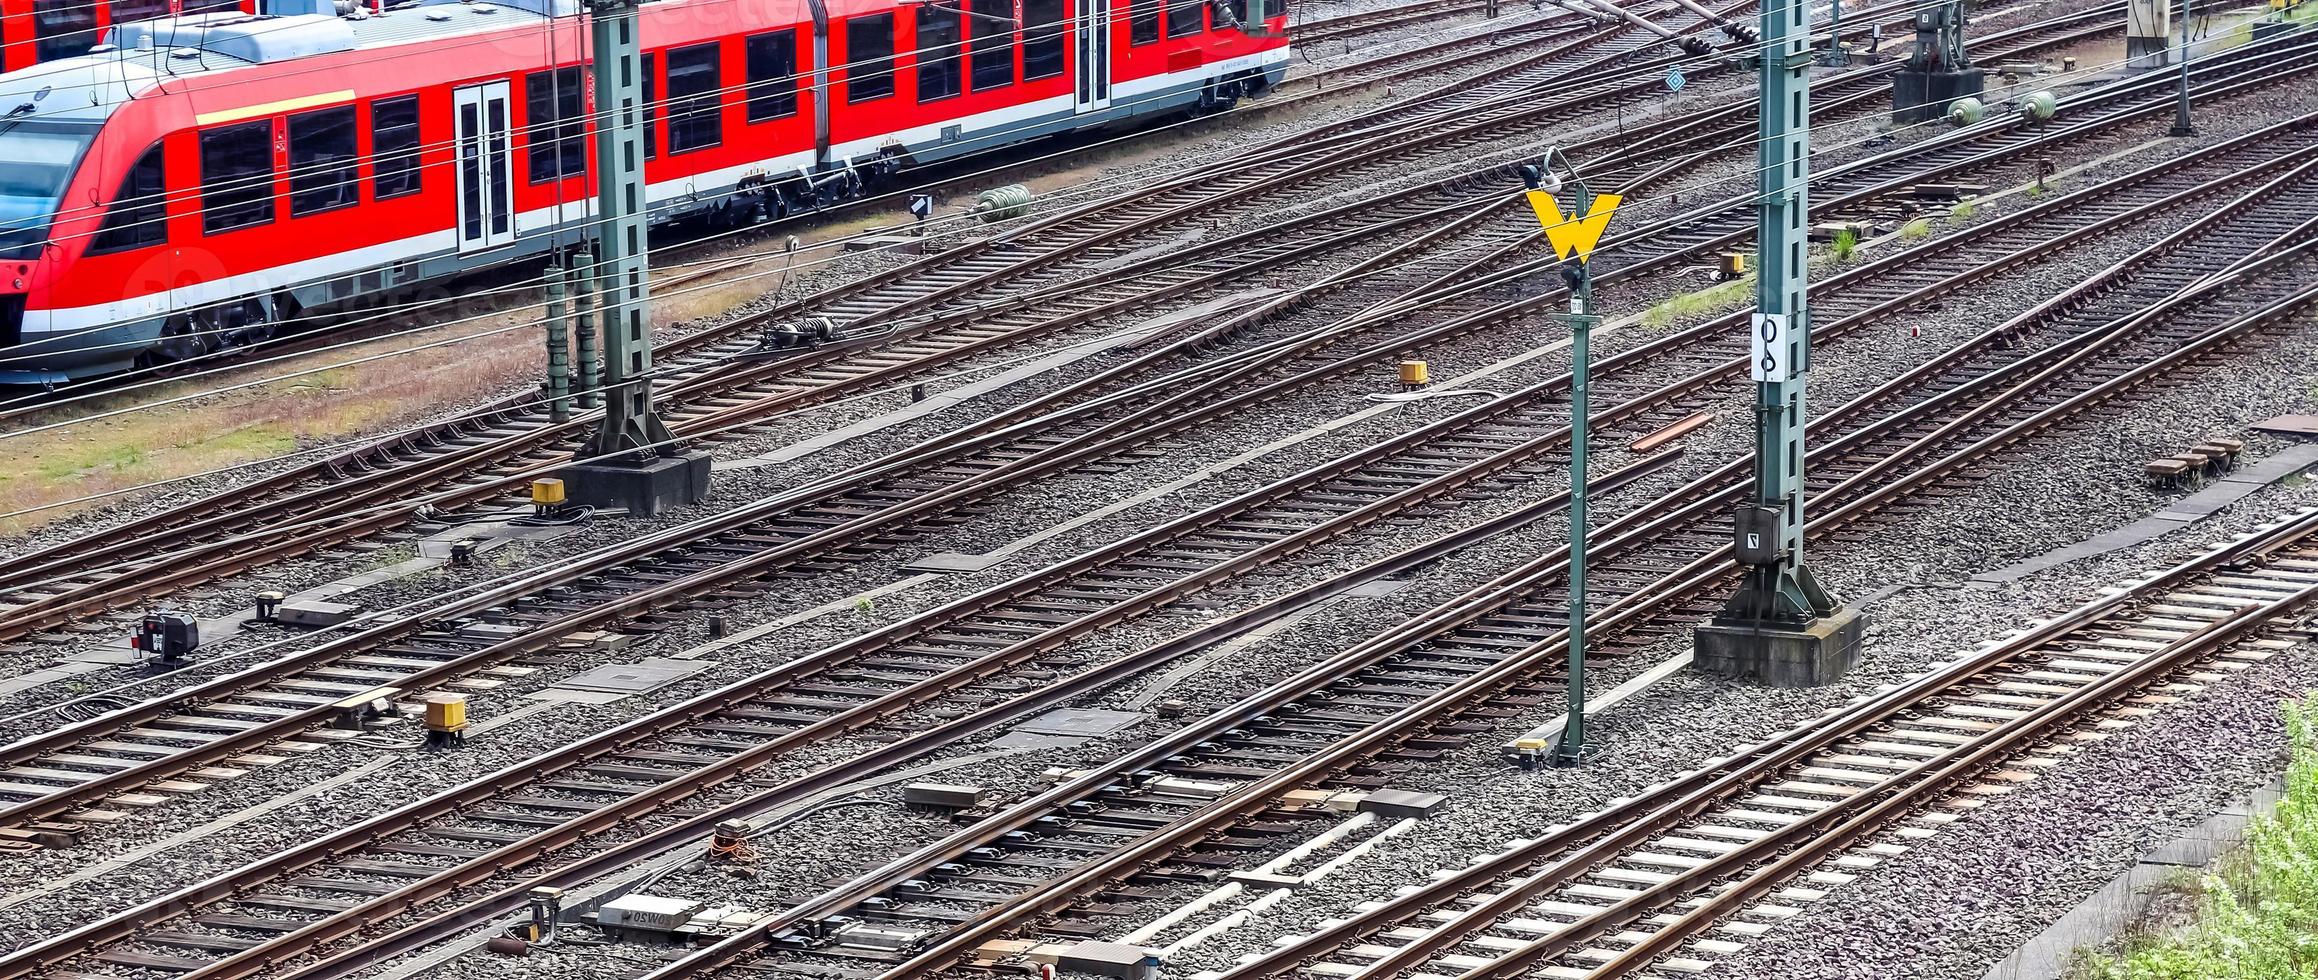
<point>1781,628</point>
<point>632,460</point>
<point>1573,239</point>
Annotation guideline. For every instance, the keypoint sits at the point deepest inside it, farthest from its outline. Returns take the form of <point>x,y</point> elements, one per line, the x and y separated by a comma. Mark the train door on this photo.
<point>486,176</point>
<point>1092,27</point>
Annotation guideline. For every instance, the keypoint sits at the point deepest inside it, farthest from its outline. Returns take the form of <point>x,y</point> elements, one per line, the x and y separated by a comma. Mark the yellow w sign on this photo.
<point>1569,234</point>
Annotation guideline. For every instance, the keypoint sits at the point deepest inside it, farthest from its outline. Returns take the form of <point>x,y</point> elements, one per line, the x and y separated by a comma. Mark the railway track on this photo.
<point>1395,697</point>
<point>427,464</point>
<point>1344,26</point>
<point>291,514</point>
<point>1684,875</point>
<point>447,872</point>
<point>908,288</point>
<point>229,718</point>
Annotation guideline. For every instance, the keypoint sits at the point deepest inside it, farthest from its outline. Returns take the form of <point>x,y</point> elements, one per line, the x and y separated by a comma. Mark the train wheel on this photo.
<point>246,326</point>
<point>184,337</point>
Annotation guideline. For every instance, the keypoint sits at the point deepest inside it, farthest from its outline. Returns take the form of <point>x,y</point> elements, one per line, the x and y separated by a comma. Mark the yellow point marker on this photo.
<point>1568,235</point>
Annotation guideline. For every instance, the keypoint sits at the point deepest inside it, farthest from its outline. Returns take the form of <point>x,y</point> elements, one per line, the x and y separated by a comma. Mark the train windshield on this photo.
<point>36,161</point>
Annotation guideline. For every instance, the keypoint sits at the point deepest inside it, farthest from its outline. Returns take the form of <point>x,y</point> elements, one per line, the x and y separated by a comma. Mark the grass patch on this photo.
<point>1718,298</point>
<point>1962,212</point>
<point>2257,914</point>
<point>159,445</point>
<point>1846,243</point>
<point>1916,230</point>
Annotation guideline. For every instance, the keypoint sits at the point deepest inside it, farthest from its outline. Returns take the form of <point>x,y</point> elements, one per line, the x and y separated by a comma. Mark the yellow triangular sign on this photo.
<point>1570,236</point>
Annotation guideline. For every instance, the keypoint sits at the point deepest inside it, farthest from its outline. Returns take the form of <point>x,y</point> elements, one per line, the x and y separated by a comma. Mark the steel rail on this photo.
<point>1810,840</point>
<point>133,582</point>
<point>226,748</point>
<point>1688,793</point>
<point>140,580</point>
<point>917,744</point>
<point>337,926</point>
<point>1692,579</point>
<point>1911,789</point>
<point>1385,18</point>
<point>122,544</point>
<point>1736,774</point>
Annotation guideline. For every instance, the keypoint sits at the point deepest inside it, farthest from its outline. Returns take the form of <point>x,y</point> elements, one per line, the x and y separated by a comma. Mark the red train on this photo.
<point>200,177</point>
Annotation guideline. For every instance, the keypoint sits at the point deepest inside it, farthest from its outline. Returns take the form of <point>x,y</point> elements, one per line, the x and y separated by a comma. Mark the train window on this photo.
<point>554,110</point>
<point>869,57</point>
<point>1142,21</point>
<point>992,33</point>
<point>1239,12</point>
<point>41,156</point>
<point>394,146</point>
<point>695,97</point>
<point>322,163</point>
<point>651,111</point>
<point>237,176</point>
<point>63,28</point>
<point>1042,23</point>
<point>772,66</point>
<point>938,34</point>
<point>137,217</point>
<point>1186,17</point>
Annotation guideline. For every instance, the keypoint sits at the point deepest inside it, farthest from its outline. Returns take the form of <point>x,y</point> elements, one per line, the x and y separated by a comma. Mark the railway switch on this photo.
<point>446,721</point>
<point>169,636</point>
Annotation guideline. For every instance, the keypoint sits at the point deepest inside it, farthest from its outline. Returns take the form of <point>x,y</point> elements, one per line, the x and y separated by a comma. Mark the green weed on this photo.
<point>2257,916</point>
<point>1683,307</point>
<point>1846,242</point>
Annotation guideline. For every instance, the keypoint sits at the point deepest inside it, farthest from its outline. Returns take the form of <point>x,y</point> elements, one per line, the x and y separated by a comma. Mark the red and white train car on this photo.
<point>203,176</point>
